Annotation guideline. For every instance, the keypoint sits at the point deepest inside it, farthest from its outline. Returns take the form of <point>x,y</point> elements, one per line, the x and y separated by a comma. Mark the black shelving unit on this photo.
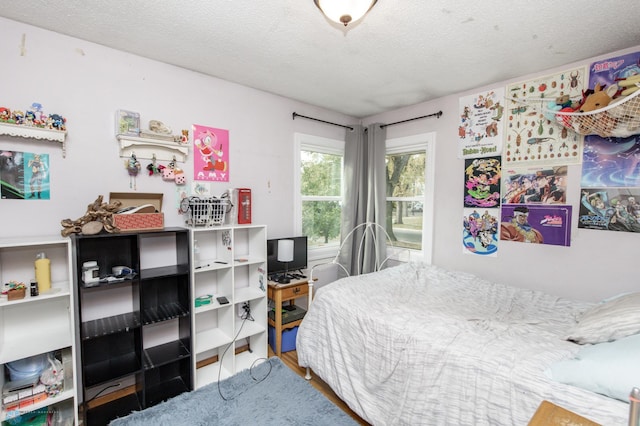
<point>114,318</point>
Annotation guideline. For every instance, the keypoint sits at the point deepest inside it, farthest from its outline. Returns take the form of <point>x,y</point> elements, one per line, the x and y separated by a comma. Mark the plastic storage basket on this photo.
<point>207,211</point>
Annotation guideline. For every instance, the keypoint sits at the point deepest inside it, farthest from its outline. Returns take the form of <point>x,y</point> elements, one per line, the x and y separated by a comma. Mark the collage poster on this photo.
<point>211,154</point>
<point>482,182</point>
<point>480,128</point>
<point>610,183</point>
<point>24,176</point>
<point>534,184</point>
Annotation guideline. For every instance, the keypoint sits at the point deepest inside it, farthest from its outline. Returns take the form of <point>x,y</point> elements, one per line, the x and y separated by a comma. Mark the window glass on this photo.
<point>405,198</point>
<point>321,195</point>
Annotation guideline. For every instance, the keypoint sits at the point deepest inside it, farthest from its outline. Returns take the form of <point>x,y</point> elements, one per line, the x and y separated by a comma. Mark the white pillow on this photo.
<point>610,369</point>
<point>608,321</point>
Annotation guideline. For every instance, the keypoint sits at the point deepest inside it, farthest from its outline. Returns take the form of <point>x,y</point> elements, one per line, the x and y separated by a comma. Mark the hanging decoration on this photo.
<point>133,167</point>
<point>154,168</point>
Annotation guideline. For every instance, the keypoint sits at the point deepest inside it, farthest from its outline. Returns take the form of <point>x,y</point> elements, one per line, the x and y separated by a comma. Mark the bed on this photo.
<point>416,344</point>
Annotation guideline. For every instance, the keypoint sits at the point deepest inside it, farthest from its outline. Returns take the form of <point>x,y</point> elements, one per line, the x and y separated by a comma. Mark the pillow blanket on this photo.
<point>610,369</point>
<point>611,320</point>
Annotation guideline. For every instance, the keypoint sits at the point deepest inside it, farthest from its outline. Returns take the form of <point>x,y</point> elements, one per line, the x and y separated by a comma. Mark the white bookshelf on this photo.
<point>229,261</point>
<point>40,324</point>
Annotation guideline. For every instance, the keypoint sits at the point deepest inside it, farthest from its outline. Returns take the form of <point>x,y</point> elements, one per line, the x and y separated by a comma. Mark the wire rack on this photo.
<point>207,211</point>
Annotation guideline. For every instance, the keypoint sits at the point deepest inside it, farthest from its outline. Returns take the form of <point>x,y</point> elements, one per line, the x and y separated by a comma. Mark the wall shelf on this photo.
<point>38,133</point>
<point>148,148</point>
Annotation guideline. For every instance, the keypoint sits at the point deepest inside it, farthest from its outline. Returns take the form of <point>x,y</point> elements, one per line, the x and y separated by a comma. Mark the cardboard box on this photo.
<point>138,221</point>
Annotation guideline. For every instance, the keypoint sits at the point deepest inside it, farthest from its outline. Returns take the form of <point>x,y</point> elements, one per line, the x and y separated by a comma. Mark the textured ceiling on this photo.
<point>402,53</point>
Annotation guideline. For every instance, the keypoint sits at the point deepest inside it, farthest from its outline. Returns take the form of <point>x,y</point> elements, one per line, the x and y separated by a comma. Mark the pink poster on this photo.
<point>211,154</point>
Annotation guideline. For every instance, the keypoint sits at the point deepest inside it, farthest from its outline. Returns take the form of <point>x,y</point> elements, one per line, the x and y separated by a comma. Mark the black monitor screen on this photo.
<point>299,255</point>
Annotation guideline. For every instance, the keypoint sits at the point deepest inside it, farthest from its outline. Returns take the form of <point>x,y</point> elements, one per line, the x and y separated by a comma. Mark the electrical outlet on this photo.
<point>244,309</point>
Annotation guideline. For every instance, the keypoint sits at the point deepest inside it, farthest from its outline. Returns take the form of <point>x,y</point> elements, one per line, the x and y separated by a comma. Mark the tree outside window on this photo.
<point>405,198</point>
<point>321,189</point>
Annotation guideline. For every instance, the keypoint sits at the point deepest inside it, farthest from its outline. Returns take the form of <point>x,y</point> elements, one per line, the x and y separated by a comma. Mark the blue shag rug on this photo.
<point>268,394</point>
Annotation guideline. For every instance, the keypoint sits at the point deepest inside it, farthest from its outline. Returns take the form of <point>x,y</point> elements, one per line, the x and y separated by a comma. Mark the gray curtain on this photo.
<point>364,199</point>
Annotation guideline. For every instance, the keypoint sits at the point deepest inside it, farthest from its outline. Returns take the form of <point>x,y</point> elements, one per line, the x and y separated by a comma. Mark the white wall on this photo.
<point>598,264</point>
<point>87,83</point>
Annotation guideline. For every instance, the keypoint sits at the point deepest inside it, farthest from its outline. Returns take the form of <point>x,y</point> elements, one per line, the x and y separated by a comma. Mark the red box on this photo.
<point>138,221</point>
<point>244,205</point>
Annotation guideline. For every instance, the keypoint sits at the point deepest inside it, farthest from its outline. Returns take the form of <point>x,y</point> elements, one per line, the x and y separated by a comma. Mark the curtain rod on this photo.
<point>436,114</point>
<point>295,114</point>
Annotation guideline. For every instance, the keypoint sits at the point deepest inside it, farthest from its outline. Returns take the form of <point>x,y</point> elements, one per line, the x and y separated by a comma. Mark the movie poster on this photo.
<point>610,209</point>
<point>480,129</point>
<point>210,154</point>
<point>482,182</point>
<point>480,231</point>
<point>24,176</point>
<point>536,224</point>
<point>534,185</point>
<point>532,134</point>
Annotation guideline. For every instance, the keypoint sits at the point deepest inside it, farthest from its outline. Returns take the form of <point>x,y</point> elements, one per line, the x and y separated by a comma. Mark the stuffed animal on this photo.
<point>600,98</point>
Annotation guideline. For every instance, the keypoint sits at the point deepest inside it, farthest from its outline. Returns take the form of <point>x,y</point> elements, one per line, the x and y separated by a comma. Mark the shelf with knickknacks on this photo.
<point>157,143</point>
<point>34,124</point>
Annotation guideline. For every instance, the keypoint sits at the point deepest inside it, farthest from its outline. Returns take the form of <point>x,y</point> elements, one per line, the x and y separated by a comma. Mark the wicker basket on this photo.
<point>207,211</point>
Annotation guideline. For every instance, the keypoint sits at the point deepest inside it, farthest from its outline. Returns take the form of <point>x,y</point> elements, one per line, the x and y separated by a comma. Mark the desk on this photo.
<point>282,293</point>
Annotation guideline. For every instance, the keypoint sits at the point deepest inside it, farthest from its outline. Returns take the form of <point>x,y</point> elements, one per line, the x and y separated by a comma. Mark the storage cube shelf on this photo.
<point>135,333</point>
<point>40,324</point>
<point>229,261</point>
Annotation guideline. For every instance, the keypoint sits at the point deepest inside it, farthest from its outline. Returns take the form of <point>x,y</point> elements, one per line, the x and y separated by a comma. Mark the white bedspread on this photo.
<point>415,344</point>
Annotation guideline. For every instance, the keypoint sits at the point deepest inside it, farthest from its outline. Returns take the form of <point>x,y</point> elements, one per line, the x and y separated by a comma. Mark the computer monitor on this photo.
<point>299,262</point>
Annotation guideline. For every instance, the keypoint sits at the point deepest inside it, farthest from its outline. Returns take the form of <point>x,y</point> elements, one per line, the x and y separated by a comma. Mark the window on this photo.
<point>409,163</point>
<point>320,193</point>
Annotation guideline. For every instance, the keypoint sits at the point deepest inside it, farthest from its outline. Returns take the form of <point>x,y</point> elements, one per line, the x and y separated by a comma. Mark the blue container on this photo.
<point>288,339</point>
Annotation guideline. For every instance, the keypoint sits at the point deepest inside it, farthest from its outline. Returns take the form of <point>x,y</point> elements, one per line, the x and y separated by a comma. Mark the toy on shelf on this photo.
<point>33,117</point>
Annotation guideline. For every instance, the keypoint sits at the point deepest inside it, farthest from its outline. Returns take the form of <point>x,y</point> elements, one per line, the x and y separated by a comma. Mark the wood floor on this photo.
<point>290,359</point>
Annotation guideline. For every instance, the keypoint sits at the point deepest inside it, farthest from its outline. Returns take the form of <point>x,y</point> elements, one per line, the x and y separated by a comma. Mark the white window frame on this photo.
<point>318,144</point>
<point>421,142</point>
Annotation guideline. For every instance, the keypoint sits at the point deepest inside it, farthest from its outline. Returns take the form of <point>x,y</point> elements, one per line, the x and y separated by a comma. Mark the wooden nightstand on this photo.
<point>549,414</point>
<point>282,293</point>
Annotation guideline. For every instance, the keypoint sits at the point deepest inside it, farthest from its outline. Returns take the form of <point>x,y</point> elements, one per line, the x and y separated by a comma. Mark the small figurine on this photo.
<point>5,114</point>
<point>57,122</point>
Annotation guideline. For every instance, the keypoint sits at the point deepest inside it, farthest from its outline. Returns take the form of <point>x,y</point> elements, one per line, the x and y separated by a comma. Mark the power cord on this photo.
<point>246,316</point>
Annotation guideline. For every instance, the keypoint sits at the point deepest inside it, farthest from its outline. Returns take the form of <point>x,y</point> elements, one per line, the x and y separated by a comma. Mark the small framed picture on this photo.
<point>127,123</point>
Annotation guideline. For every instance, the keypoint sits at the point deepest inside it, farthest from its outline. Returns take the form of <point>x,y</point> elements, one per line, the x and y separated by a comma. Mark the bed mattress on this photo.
<point>419,345</point>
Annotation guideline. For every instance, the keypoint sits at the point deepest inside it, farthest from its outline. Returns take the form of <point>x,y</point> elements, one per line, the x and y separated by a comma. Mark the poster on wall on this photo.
<point>480,129</point>
<point>610,209</point>
<point>534,185</point>
<point>612,161</point>
<point>480,231</point>
<point>210,154</point>
<point>482,182</point>
<point>536,223</point>
<point>24,176</point>
<point>532,133</point>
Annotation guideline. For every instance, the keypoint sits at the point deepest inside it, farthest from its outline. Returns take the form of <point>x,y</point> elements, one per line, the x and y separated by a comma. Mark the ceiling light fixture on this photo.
<point>344,11</point>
